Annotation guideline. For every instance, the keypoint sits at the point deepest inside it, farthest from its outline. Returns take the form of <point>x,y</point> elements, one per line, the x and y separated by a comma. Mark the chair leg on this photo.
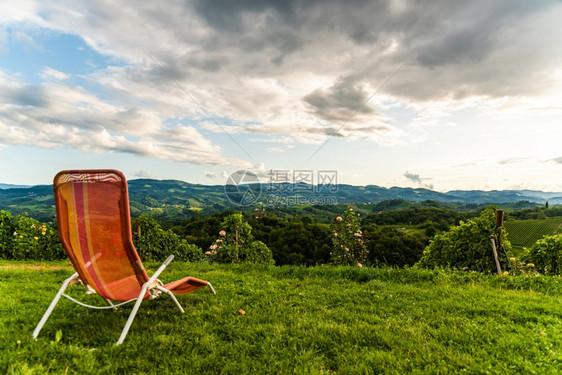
<point>162,289</point>
<point>51,307</point>
<point>110,303</point>
<point>132,315</point>
<point>152,282</point>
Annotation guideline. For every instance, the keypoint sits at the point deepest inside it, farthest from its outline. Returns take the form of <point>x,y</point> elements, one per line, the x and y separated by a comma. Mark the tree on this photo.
<point>546,255</point>
<point>347,237</point>
<point>393,247</point>
<point>466,246</point>
<point>236,243</point>
<point>155,243</point>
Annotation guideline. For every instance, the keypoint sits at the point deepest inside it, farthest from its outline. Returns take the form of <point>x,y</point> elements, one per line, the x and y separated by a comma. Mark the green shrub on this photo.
<point>546,255</point>
<point>349,246</point>
<point>466,246</point>
<point>6,234</point>
<point>258,252</point>
<point>236,243</point>
<point>155,244</point>
<point>24,238</point>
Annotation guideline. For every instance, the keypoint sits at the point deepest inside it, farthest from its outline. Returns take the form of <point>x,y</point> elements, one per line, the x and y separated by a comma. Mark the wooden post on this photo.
<point>496,240</point>
<point>499,218</point>
<point>494,250</point>
<point>138,226</point>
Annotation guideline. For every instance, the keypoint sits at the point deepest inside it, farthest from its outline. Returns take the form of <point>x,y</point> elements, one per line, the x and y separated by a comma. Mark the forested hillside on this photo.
<point>169,199</point>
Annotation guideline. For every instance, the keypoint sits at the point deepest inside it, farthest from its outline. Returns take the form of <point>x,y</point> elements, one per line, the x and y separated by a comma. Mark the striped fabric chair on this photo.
<point>95,230</point>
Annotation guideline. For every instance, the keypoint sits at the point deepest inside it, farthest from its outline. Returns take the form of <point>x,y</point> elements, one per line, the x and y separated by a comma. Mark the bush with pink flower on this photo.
<point>236,243</point>
<point>347,237</point>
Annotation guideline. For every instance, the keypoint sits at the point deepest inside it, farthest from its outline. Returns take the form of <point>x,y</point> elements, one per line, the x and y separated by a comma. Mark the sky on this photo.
<point>440,94</point>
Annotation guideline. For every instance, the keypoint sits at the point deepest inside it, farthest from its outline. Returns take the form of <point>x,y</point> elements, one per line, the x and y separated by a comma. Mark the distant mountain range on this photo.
<point>10,186</point>
<point>178,198</point>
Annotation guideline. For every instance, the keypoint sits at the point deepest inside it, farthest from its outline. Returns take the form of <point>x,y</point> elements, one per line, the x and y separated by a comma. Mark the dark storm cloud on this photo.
<point>233,15</point>
<point>453,36</point>
<point>456,49</point>
<point>413,177</point>
<point>25,95</point>
<point>339,102</point>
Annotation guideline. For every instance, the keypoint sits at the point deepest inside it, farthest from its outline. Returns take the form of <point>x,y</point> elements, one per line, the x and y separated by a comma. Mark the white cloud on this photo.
<point>52,115</point>
<point>276,149</point>
<point>50,73</point>
<point>25,11</point>
<point>26,41</point>
<point>143,174</point>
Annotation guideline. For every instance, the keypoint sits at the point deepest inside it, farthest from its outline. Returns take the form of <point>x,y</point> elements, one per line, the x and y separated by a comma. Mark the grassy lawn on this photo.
<point>297,320</point>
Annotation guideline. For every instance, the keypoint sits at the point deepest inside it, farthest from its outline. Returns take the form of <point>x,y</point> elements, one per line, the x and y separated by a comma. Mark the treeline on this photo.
<point>292,240</point>
<point>441,217</point>
<point>539,212</point>
<point>235,237</point>
<point>301,240</point>
<point>24,238</point>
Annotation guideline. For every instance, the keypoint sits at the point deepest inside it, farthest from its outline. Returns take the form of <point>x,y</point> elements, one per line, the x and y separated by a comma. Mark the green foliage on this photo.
<point>521,266</point>
<point>466,246</point>
<point>298,241</point>
<point>236,243</point>
<point>22,238</point>
<point>387,245</point>
<point>292,240</point>
<point>301,240</point>
<point>546,255</point>
<point>349,245</point>
<point>258,252</point>
<point>442,217</point>
<point>6,234</point>
<point>533,212</point>
<point>154,243</point>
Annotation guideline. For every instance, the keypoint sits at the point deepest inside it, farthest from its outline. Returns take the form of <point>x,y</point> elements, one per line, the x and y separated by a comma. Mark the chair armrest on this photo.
<point>159,271</point>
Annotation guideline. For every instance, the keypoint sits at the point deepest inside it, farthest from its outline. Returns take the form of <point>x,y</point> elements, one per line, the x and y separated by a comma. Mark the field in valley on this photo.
<point>524,233</point>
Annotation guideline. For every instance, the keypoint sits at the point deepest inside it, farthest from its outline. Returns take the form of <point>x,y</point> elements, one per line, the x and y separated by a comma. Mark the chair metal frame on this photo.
<point>153,286</point>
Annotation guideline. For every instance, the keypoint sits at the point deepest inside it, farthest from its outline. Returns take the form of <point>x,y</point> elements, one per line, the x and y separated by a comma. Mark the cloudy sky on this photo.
<point>439,94</point>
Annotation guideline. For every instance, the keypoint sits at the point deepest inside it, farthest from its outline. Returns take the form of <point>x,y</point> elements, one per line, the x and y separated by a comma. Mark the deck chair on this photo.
<point>95,230</point>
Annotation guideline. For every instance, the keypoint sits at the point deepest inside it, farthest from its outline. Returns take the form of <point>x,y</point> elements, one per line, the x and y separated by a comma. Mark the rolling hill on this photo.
<point>180,199</point>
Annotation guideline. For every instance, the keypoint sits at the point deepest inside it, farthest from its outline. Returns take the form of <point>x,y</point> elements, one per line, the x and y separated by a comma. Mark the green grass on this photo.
<point>524,233</point>
<point>297,320</point>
